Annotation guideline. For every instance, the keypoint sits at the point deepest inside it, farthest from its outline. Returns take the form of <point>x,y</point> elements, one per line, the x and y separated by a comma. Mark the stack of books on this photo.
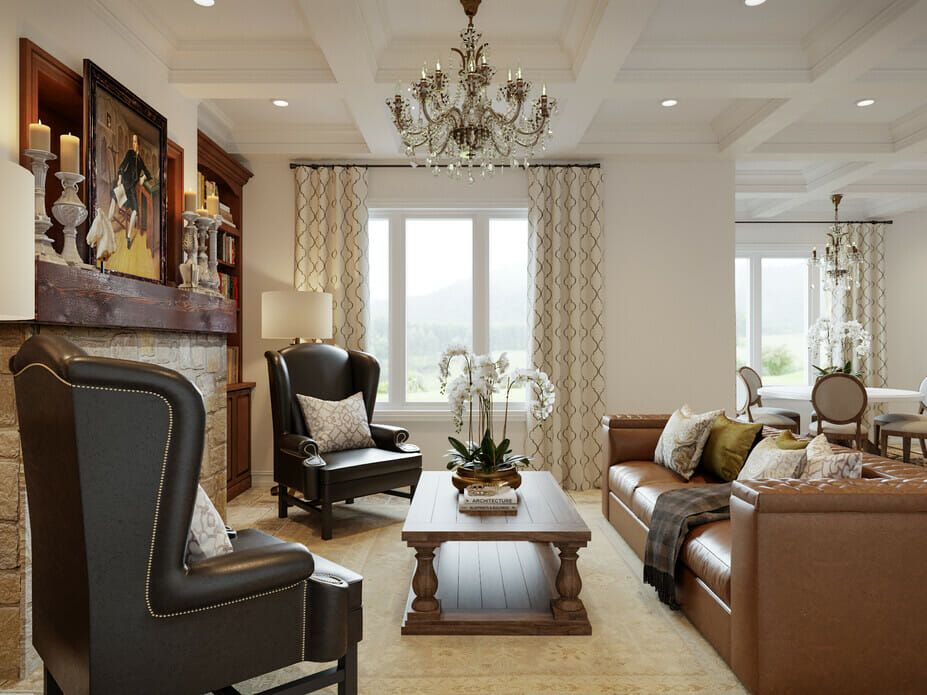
<point>487,498</point>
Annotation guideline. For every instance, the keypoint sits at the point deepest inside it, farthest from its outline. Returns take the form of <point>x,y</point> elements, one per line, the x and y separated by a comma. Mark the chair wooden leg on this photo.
<point>281,502</point>
<point>906,449</point>
<point>51,687</point>
<point>924,447</point>
<point>326,520</point>
<point>348,664</point>
<point>883,443</point>
<point>412,487</point>
<point>349,500</point>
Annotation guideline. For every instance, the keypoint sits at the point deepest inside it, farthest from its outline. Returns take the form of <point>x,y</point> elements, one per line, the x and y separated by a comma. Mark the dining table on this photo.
<point>874,394</point>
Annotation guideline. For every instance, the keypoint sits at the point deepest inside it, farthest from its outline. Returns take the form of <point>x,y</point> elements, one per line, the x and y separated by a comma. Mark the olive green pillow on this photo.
<point>729,444</point>
<point>787,440</point>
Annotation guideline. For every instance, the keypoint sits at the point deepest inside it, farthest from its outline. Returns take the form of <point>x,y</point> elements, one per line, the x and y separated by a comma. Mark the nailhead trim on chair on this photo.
<point>154,530</point>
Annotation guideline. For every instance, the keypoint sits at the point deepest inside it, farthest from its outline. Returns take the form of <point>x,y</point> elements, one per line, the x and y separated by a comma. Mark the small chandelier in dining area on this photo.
<point>841,260</point>
<point>462,129</point>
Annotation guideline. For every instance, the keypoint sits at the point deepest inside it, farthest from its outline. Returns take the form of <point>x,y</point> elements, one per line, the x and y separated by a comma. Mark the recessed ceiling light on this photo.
<point>280,102</point>
<point>753,3</point>
<point>865,102</point>
<point>668,102</point>
<point>205,3</point>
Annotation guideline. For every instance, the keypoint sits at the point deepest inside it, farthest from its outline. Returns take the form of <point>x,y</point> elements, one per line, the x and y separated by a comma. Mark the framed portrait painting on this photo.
<point>126,177</point>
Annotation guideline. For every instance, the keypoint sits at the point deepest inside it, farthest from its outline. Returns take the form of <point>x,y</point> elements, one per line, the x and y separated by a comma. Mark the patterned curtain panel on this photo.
<point>866,303</point>
<point>331,245</point>
<point>566,293</point>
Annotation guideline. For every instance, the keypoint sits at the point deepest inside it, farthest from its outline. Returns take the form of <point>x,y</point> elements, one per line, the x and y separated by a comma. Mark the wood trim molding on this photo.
<point>212,157</point>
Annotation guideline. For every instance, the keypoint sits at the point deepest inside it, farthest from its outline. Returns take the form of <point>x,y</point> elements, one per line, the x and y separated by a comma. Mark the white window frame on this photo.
<point>396,402</point>
<point>755,253</point>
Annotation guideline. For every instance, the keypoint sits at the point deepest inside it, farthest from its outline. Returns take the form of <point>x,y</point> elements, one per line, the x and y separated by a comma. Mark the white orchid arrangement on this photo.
<point>480,378</point>
<point>837,342</point>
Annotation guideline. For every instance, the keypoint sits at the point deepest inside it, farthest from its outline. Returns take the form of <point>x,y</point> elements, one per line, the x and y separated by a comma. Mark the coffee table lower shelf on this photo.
<point>494,588</point>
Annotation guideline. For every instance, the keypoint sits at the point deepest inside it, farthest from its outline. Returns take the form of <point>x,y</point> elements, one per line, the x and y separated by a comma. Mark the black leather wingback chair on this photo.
<point>112,452</point>
<point>332,374</point>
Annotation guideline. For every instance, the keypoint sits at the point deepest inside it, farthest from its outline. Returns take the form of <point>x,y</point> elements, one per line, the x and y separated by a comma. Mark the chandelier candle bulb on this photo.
<point>39,137</point>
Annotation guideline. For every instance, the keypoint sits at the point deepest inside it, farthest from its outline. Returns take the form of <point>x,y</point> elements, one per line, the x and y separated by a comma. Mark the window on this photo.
<point>442,277</point>
<point>776,300</point>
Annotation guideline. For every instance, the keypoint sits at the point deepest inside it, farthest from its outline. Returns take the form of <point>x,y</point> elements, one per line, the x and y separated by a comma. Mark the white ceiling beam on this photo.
<point>619,25</point>
<point>339,30</point>
<point>861,48</point>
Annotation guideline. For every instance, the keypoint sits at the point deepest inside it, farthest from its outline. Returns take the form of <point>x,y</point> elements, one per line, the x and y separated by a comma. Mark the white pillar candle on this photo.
<point>212,204</point>
<point>70,153</point>
<point>189,201</point>
<point>39,137</point>
<point>201,212</point>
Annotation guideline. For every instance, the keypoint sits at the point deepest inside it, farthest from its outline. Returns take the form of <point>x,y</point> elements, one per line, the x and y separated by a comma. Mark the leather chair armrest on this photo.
<point>232,577</point>
<point>298,445</point>
<point>336,610</point>
<point>392,439</point>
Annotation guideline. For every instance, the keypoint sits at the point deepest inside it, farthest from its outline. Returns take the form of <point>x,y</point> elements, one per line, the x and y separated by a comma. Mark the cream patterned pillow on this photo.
<point>207,537</point>
<point>824,463</point>
<point>769,461</point>
<point>683,439</point>
<point>337,425</point>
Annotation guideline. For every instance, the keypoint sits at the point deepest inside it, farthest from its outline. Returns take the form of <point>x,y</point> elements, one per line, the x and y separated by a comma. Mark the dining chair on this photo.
<point>840,402</point>
<point>750,405</point>
<point>908,426</point>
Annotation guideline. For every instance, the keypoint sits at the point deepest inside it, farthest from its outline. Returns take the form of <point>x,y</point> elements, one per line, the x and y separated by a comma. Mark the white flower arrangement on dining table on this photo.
<point>481,378</point>
<point>837,342</point>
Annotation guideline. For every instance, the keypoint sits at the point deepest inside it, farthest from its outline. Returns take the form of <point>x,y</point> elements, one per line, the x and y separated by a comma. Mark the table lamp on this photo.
<point>296,314</point>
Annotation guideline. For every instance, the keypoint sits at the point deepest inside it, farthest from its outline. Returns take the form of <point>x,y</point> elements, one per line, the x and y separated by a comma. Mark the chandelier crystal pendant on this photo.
<point>841,260</point>
<point>465,130</point>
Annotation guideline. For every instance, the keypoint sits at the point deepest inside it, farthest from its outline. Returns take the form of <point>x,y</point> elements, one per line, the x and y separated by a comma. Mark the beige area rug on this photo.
<point>637,645</point>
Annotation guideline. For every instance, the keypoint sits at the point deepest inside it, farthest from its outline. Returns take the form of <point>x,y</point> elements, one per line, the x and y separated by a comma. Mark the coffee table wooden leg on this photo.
<point>569,584</point>
<point>425,581</point>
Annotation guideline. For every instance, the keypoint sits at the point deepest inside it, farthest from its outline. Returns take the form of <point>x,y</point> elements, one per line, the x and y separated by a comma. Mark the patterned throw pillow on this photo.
<point>824,463</point>
<point>683,439</point>
<point>337,425</point>
<point>207,537</point>
<point>769,461</point>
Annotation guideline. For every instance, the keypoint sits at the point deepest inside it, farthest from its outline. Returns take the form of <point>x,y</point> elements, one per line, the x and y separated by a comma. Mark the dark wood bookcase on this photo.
<point>230,177</point>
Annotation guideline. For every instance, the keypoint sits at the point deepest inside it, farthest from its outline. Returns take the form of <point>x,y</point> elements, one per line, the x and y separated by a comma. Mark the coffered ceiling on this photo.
<point>772,87</point>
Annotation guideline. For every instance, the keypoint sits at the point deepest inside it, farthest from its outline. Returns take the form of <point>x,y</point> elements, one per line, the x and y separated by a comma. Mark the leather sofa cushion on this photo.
<point>707,552</point>
<point>625,478</point>
<point>354,464</point>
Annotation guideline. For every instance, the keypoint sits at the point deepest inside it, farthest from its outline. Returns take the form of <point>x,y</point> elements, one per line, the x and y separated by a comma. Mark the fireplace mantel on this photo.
<point>81,297</point>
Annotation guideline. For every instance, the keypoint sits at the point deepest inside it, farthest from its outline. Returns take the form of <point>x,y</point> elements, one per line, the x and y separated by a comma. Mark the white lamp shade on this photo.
<point>17,240</point>
<point>296,314</point>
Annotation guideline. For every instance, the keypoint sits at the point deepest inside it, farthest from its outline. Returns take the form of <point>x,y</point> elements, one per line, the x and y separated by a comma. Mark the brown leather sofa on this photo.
<point>810,587</point>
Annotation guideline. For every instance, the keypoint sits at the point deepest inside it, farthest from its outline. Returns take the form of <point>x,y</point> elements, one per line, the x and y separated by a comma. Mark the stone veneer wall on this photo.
<point>201,357</point>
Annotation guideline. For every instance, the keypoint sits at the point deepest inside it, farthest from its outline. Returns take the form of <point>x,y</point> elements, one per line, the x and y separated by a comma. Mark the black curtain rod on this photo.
<point>812,222</point>
<point>294,165</point>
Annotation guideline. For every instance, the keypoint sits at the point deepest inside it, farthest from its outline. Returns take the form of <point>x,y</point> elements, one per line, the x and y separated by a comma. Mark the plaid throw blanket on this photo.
<point>675,513</point>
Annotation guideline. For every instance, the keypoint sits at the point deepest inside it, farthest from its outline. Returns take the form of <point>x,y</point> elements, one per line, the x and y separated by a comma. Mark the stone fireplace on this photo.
<point>201,357</point>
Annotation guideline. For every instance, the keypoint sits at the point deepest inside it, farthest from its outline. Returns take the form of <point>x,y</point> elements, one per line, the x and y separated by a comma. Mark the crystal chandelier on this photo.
<point>840,264</point>
<point>466,131</point>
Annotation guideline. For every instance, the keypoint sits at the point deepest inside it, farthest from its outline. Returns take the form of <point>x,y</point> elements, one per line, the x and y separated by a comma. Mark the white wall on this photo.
<point>669,282</point>
<point>72,31</point>
<point>906,300</point>
<point>669,285</point>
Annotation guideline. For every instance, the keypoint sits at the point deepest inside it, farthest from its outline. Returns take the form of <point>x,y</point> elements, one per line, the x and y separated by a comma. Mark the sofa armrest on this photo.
<point>298,445</point>
<point>232,577</point>
<point>627,437</point>
<point>393,439</point>
<point>823,572</point>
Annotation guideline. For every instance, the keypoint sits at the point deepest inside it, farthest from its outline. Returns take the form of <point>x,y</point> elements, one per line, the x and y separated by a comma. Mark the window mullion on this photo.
<point>756,312</point>
<point>480,284</point>
<point>397,308</point>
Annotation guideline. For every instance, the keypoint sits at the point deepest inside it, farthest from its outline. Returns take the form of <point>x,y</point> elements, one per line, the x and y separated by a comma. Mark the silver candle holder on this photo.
<point>71,213</point>
<point>214,254</point>
<point>202,223</point>
<point>44,251</point>
<point>189,269</point>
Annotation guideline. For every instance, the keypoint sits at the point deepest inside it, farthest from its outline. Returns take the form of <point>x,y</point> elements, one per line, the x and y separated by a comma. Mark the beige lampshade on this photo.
<point>296,314</point>
<point>17,258</point>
